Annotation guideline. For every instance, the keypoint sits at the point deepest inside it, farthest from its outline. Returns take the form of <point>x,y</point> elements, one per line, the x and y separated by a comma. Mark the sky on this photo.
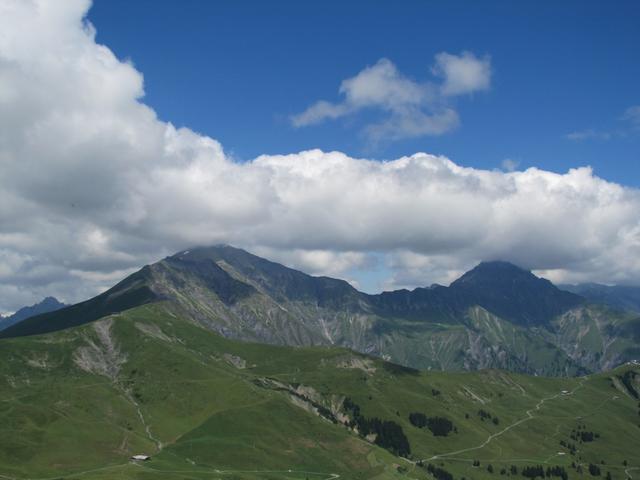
<point>391,144</point>
<point>237,71</point>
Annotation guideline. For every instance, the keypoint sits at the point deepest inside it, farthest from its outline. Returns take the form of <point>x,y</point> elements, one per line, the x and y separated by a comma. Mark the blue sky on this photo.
<point>237,71</point>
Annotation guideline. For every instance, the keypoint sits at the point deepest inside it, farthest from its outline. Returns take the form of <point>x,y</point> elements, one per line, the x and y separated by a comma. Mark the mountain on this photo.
<point>501,288</point>
<point>49,304</point>
<point>79,402</point>
<point>495,316</point>
<point>514,294</point>
<point>617,296</point>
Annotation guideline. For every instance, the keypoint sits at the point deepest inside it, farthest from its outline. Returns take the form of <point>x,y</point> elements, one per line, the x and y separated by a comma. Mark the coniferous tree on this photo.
<point>418,419</point>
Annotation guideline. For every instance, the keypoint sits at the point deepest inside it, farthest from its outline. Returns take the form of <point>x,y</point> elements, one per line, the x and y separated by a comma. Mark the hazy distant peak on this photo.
<point>48,304</point>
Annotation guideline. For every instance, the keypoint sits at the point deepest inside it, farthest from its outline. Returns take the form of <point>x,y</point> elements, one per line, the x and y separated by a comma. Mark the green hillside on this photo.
<point>79,402</point>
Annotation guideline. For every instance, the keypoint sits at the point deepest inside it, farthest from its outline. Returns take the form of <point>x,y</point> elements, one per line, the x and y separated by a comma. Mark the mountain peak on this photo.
<point>51,301</point>
<point>221,251</point>
<point>280,281</point>
<point>490,269</point>
<point>514,293</point>
<point>200,250</point>
<point>48,304</point>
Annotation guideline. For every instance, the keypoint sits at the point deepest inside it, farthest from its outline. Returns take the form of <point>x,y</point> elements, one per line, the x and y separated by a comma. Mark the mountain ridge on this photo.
<point>219,265</point>
<point>497,315</point>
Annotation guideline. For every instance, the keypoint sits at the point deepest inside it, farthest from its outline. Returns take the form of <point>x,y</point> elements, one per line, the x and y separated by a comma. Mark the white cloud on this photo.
<point>93,185</point>
<point>589,134</point>
<point>319,112</point>
<point>631,126</point>
<point>463,73</point>
<point>409,269</point>
<point>380,85</point>
<point>632,115</point>
<point>318,262</point>
<point>510,165</point>
<point>413,109</point>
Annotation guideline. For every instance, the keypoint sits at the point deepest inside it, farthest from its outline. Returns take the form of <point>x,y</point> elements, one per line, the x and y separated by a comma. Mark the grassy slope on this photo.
<point>177,385</point>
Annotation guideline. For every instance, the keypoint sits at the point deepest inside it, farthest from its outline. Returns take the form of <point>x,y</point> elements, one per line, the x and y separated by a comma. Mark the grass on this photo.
<point>178,386</point>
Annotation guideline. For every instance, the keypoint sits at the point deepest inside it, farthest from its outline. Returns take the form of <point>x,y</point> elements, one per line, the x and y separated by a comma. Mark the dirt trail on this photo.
<point>529,416</point>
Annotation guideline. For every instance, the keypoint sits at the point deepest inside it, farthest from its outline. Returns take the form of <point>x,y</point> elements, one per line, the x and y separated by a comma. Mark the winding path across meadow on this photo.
<point>529,416</point>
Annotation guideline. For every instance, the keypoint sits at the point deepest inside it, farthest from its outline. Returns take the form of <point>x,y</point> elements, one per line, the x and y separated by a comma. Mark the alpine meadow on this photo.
<point>320,299</point>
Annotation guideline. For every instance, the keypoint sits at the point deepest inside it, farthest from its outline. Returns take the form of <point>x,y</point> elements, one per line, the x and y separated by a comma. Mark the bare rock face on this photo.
<point>101,356</point>
<point>235,361</point>
<point>354,362</point>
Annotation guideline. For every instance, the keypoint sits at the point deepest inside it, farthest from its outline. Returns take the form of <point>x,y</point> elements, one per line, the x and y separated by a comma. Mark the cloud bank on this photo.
<point>93,184</point>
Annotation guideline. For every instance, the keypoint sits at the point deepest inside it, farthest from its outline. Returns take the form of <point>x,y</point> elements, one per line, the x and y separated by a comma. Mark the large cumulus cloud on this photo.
<point>93,185</point>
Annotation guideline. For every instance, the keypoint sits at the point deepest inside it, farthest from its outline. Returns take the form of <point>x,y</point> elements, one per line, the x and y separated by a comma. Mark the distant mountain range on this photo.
<point>616,296</point>
<point>49,304</point>
<point>495,316</point>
